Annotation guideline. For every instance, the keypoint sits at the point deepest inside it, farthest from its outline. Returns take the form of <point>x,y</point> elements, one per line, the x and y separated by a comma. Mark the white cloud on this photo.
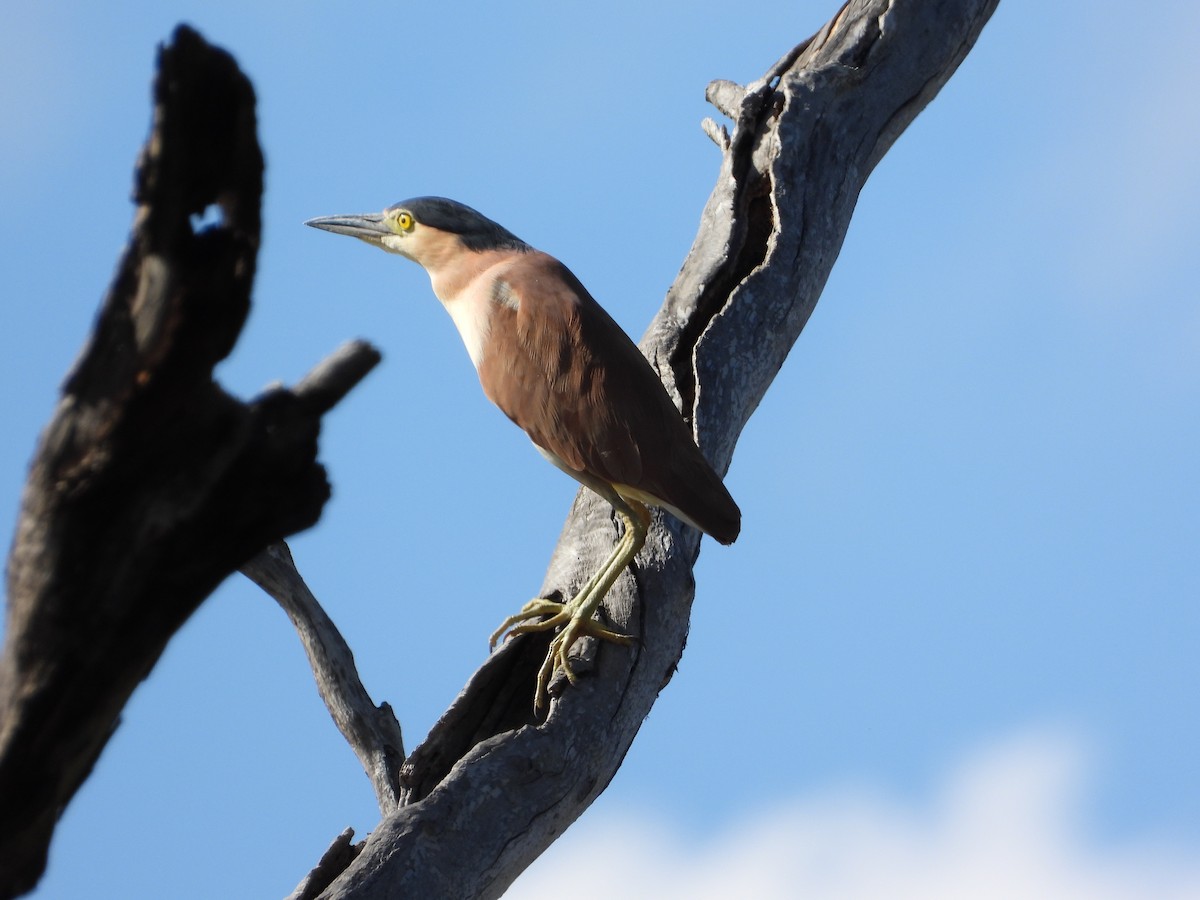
<point>1005,824</point>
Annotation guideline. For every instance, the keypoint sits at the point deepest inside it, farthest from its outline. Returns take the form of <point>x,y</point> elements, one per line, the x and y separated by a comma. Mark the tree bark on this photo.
<point>492,786</point>
<point>150,484</point>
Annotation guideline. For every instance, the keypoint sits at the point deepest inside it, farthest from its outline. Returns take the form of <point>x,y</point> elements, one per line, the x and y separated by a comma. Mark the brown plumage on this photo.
<point>541,367</point>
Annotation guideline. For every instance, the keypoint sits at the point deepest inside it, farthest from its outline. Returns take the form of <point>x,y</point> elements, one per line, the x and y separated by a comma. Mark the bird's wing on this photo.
<point>565,372</point>
<point>559,367</point>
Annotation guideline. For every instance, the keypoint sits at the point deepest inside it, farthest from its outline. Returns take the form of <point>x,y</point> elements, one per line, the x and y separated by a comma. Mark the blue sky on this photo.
<point>963,609</point>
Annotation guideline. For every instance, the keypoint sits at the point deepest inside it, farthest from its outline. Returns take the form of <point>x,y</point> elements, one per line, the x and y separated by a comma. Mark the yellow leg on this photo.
<point>576,615</point>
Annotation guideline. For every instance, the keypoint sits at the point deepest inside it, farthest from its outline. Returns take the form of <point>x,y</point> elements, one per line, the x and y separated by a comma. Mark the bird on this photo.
<point>554,362</point>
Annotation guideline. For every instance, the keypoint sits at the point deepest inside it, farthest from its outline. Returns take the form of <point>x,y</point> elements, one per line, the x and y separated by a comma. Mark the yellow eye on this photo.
<point>404,221</point>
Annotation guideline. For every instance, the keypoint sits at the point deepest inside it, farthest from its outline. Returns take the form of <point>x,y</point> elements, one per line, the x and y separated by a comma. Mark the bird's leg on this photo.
<point>576,615</point>
<point>557,613</point>
<point>551,613</point>
<point>548,613</point>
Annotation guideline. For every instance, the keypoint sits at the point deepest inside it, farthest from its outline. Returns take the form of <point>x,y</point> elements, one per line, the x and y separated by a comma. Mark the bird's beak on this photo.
<point>369,227</point>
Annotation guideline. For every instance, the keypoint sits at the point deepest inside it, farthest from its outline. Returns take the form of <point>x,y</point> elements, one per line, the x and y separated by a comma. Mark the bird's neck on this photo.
<point>459,274</point>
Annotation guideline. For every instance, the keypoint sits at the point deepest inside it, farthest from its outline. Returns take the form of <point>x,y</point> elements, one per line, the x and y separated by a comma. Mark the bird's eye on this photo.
<point>404,221</point>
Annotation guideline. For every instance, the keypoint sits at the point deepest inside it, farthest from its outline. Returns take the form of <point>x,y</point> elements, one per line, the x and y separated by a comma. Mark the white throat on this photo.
<point>472,315</point>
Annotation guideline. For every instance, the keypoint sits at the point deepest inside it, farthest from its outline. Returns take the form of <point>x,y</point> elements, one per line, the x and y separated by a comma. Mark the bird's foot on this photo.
<point>536,608</point>
<point>558,656</point>
<point>576,621</point>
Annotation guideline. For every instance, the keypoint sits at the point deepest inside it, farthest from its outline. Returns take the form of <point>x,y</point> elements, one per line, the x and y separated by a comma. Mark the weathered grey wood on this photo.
<point>331,864</point>
<point>491,787</point>
<point>150,484</point>
<point>372,731</point>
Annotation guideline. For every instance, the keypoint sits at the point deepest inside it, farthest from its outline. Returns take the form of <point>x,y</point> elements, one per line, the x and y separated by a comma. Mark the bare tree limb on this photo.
<point>150,484</point>
<point>491,787</point>
<point>372,731</point>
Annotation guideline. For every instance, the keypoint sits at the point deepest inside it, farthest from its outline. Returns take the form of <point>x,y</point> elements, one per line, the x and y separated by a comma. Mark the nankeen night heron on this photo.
<point>560,368</point>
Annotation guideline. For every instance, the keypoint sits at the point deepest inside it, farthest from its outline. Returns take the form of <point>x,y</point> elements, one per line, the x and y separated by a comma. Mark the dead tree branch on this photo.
<point>372,731</point>
<point>150,484</point>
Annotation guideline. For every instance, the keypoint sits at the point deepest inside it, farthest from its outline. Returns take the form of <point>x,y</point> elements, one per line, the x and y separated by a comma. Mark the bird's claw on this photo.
<point>558,655</point>
<point>575,622</point>
<point>519,623</point>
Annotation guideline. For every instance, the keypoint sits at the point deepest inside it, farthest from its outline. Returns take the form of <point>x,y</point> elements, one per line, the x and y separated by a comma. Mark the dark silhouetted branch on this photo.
<point>150,484</point>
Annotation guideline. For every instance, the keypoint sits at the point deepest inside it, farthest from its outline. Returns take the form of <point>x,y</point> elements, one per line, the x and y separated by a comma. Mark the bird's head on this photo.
<point>427,230</point>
